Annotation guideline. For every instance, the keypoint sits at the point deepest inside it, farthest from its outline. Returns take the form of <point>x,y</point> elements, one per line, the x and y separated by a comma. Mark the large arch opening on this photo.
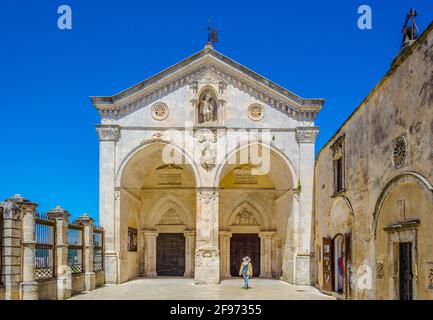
<point>255,213</point>
<point>157,204</point>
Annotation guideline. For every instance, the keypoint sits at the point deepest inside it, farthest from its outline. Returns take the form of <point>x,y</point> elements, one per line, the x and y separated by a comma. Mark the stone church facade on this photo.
<point>202,164</point>
<point>374,188</point>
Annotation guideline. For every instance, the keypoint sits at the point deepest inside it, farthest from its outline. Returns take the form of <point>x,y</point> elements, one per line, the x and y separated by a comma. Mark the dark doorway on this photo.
<point>242,245</point>
<point>405,271</point>
<point>170,254</point>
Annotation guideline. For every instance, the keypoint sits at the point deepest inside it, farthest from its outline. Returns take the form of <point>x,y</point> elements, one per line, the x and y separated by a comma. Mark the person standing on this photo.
<point>246,271</point>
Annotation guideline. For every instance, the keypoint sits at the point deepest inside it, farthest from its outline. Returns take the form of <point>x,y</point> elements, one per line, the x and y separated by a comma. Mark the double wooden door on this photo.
<point>242,245</point>
<point>170,254</point>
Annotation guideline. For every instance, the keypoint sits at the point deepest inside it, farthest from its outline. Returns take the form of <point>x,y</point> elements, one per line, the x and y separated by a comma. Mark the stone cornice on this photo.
<point>108,132</point>
<point>306,134</point>
<point>205,61</point>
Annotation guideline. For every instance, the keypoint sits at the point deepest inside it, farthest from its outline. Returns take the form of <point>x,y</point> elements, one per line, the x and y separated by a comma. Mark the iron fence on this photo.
<point>45,248</point>
<point>98,250</point>
<point>75,248</point>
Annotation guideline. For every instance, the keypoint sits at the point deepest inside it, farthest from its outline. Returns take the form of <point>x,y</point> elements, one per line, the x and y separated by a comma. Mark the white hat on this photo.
<point>247,259</point>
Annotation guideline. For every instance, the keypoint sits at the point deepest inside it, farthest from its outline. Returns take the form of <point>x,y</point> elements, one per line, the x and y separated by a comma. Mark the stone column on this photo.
<point>63,273</point>
<point>89,274</point>
<point>140,251</point>
<point>266,254</point>
<point>225,253</point>
<point>207,270</point>
<point>29,286</point>
<point>11,209</point>
<point>108,136</point>
<point>291,242</point>
<point>306,137</point>
<point>189,253</point>
<point>150,253</point>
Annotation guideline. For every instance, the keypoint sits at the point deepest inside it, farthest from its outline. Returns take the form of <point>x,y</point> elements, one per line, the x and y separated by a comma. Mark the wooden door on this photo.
<point>328,270</point>
<point>405,271</point>
<point>170,253</point>
<point>242,245</point>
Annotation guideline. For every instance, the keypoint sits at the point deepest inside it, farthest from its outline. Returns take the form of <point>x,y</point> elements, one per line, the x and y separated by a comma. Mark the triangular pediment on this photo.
<point>207,66</point>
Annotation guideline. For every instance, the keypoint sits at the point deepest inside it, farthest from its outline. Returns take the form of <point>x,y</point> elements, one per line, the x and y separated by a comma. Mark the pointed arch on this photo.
<point>163,205</point>
<point>258,211</point>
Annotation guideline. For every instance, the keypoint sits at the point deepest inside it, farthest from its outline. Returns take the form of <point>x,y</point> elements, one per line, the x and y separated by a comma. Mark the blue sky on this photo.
<point>49,148</point>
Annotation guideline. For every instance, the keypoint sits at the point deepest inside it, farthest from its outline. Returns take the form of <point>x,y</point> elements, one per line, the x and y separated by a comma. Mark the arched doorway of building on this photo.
<point>157,201</point>
<point>336,248</point>
<point>402,239</point>
<point>254,211</point>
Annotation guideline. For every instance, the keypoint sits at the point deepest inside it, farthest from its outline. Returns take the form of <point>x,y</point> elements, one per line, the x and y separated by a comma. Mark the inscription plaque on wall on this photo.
<point>169,179</point>
<point>169,175</point>
<point>242,176</point>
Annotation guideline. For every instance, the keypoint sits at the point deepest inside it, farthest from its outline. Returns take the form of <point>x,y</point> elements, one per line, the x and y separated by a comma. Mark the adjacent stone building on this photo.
<point>373,188</point>
<point>202,164</point>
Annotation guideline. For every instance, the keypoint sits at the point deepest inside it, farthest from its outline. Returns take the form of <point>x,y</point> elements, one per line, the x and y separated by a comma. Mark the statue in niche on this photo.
<point>207,108</point>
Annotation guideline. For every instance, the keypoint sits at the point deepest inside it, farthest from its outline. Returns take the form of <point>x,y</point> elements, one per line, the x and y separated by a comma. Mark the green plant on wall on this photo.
<point>299,185</point>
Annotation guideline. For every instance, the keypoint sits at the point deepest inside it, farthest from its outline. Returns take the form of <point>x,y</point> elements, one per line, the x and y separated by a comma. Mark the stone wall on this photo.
<point>401,105</point>
<point>47,289</point>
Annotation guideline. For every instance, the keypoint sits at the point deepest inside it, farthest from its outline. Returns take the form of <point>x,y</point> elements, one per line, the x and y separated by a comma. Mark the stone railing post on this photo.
<point>64,277</point>
<point>12,255</point>
<point>29,286</point>
<point>89,274</point>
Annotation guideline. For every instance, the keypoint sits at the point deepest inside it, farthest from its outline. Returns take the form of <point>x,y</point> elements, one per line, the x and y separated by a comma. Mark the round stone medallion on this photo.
<point>160,111</point>
<point>256,112</point>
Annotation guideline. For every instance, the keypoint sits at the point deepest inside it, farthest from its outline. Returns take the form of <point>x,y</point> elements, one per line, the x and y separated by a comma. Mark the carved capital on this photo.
<point>207,195</point>
<point>189,233</point>
<point>108,132</point>
<point>306,134</point>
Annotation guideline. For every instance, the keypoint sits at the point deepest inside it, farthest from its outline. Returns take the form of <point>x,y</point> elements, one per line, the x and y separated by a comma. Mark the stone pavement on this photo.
<point>185,289</point>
